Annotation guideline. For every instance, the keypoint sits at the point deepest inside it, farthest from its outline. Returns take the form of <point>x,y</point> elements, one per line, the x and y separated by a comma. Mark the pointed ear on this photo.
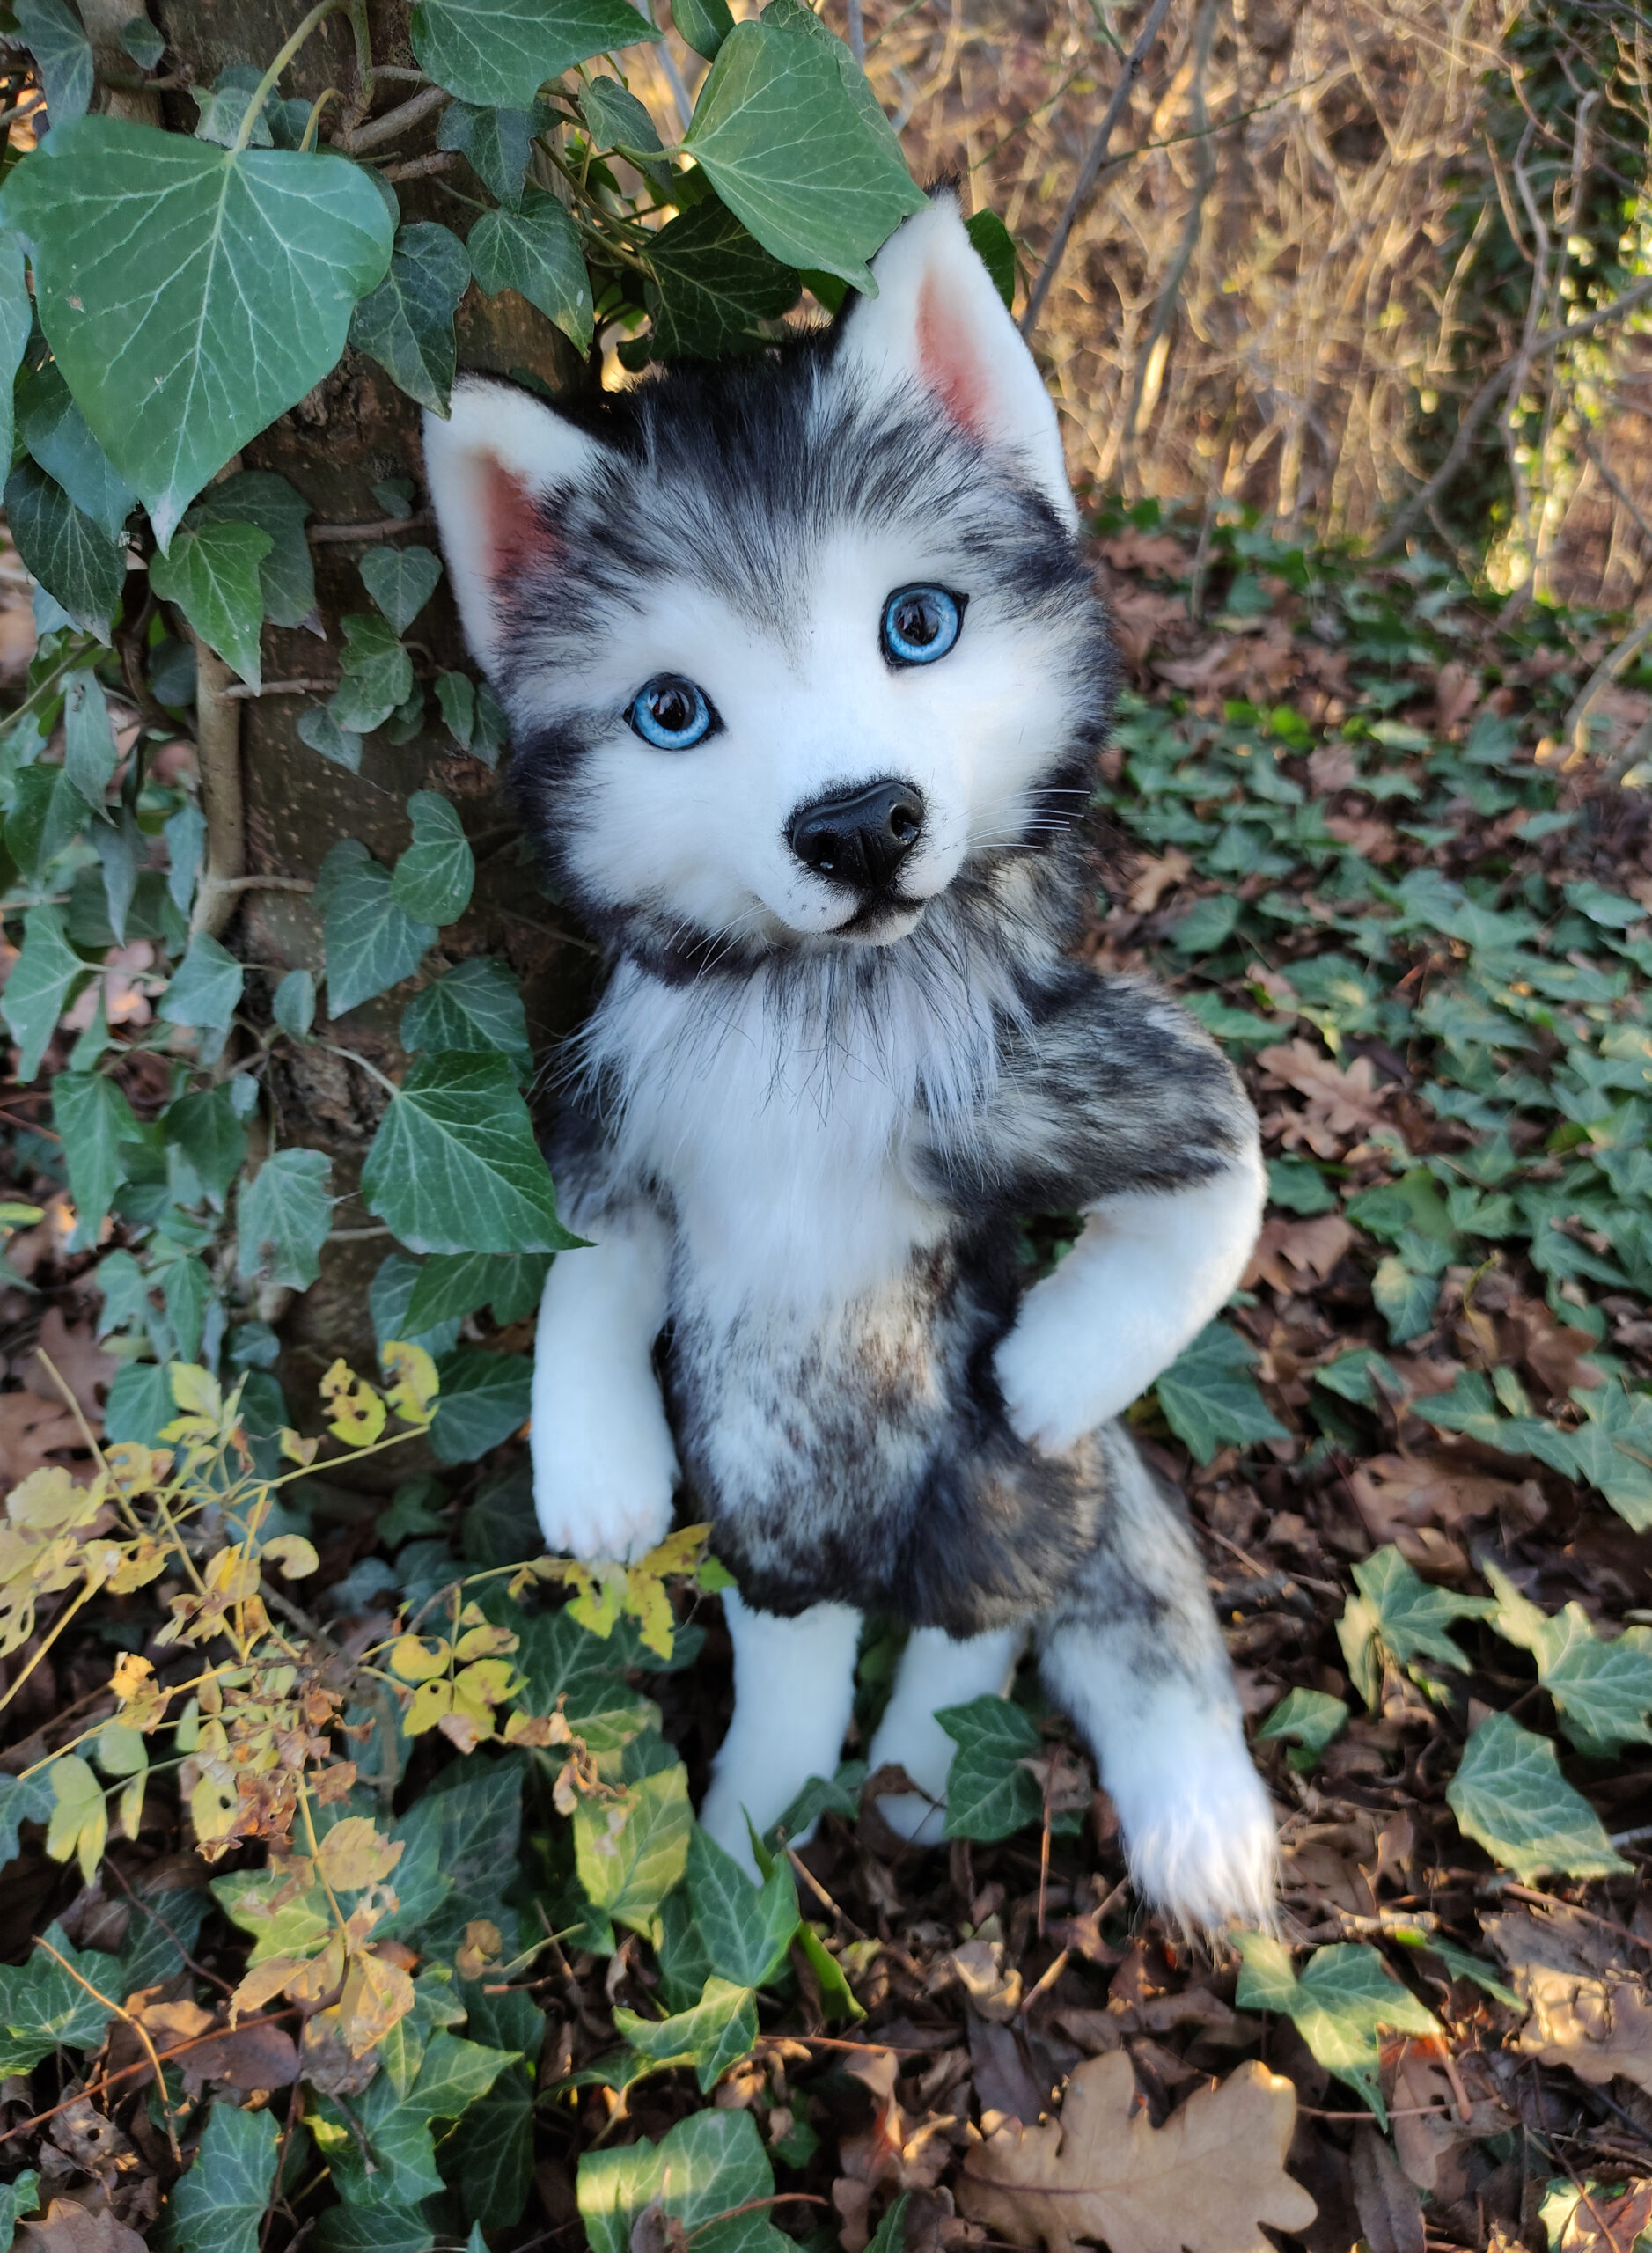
<point>493,469</point>
<point>937,319</point>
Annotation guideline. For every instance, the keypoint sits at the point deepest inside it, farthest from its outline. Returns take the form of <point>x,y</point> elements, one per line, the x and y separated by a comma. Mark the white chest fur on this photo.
<point>782,1117</point>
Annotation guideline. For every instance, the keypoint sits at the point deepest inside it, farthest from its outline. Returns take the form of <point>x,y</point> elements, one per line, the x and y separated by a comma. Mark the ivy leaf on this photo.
<point>79,566</point>
<point>218,2204</point>
<point>395,2130</point>
<point>704,2168</point>
<point>996,250</point>
<point>55,431</point>
<point>1344,1999</point>
<point>293,1004</point>
<point>716,2034</point>
<point>450,1288</point>
<point>499,53</point>
<point>792,140</point>
<point>484,1399</point>
<point>206,1127</point>
<point>211,572</point>
<point>17,318</point>
<point>616,120</point>
<point>281,1220</point>
<point>342,746</point>
<point>407,323</point>
<point>989,1794</point>
<point>704,24</point>
<point>189,294</point>
<point>269,502</point>
<point>46,812</point>
<point>401,580</point>
<point>1509,1794</point>
<point>93,1119</point>
<point>455,1165</point>
<point>434,877</point>
<point>1309,1720</point>
<point>38,988</point>
<point>534,250</point>
<point>20,2196</point>
<point>745,1929</point>
<point>43,2007</point>
<point>630,1852</point>
<point>491,2160</point>
<point>205,987</point>
<point>375,674</point>
<point>1209,1398</point>
<point>1397,1611</point>
<point>496,142</point>
<point>1404,1299</point>
<point>712,283</point>
<point>475,1005</point>
<point>63,54</point>
<point>372,944</point>
<point>89,753</point>
<point>456,693</point>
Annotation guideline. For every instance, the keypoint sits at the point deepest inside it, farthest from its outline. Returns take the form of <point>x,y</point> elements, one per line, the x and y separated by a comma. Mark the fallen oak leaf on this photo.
<point>1340,1105</point>
<point>1289,1253</point>
<point>1599,2025</point>
<point>1204,2182</point>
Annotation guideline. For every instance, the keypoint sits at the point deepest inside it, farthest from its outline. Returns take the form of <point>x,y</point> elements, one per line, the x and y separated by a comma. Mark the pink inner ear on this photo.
<point>517,533</point>
<point>948,360</point>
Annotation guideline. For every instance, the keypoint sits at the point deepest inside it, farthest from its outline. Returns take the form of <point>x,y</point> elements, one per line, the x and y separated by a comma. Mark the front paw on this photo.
<point>1047,1395</point>
<point>608,1496</point>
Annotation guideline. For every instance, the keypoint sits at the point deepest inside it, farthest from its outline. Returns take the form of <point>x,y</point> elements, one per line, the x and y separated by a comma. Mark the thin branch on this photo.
<point>1487,396</point>
<point>241,690</point>
<point>396,122</point>
<point>381,528</point>
<point>1093,160</point>
<point>126,2019</point>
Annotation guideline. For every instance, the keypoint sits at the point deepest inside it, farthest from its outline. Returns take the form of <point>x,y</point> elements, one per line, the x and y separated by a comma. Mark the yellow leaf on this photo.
<point>133,1678</point>
<point>415,1386</point>
<point>311,1981</point>
<point>482,1642</point>
<point>145,1560</point>
<point>358,1412</point>
<point>646,1600</point>
<point>196,1392</point>
<point>79,1821</point>
<point>377,1996</point>
<point>679,1552</point>
<point>134,1469</point>
<point>294,1450</point>
<point>296,1556</point>
<point>431,1701</point>
<point>131,1808</point>
<point>264,1982</point>
<point>354,1855</point>
<point>212,1807</point>
<point>489,1682</point>
<point>602,1589</point>
<point>121,1751</point>
<point>483,1942</point>
<point>415,1661</point>
<point>49,1502</point>
<point>231,1576</point>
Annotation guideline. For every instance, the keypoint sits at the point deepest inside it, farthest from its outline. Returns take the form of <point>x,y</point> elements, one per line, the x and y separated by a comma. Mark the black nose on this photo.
<point>861,838</point>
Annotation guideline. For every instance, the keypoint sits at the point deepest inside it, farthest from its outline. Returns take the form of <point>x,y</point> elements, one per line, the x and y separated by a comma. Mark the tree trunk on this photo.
<point>354,430</point>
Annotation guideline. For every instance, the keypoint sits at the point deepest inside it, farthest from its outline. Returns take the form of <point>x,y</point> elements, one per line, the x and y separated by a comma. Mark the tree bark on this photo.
<point>354,430</point>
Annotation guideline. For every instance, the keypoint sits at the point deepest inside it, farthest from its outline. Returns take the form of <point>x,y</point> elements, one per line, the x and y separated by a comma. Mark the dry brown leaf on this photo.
<point>910,2154</point>
<point>1289,1252</point>
<point>69,2228</point>
<point>1146,551</point>
<point>1434,2144</point>
<point>1154,877</point>
<point>253,2057</point>
<point>1598,2224</point>
<point>78,1358</point>
<point>1399,1496</point>
<point>1340,1105</point>
<point>33,1432</point>
<point>1455,694</point>
<point>1364,833</point>
<point>1331,769</point>
<point>993,1992</point>
<point>1390,2211</point>
<point>92,2139</point>
<point>1204,2182</point>
<point>1588,2013</point>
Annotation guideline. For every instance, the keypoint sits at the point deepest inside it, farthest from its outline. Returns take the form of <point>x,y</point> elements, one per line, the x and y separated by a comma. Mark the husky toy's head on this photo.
<point>794,647</point>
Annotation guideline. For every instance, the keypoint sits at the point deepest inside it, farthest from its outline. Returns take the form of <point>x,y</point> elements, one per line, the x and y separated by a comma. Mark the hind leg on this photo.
<point>935,1671</point>
<point>1134,1654</point>
<point>794,1691</point>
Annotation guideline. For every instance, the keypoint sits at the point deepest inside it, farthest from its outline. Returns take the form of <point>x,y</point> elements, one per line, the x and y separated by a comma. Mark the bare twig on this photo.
<point>394,122</point>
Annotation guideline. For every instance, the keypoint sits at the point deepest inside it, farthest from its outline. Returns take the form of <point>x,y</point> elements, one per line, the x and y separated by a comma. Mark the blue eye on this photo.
<point>671,712</point>
<point>920,623</point>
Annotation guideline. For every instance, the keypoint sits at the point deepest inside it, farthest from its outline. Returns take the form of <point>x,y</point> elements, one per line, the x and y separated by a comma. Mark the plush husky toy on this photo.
<point>807,683</point>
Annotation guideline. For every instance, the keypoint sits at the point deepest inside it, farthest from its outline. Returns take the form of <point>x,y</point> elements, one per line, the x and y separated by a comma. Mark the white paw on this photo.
<point>723,1817</point>
<point>1199,1833</point>
<point>914,1819</point>
<point>1047,1377</point>
<point>911,1739</point>
<point>606,1494</point>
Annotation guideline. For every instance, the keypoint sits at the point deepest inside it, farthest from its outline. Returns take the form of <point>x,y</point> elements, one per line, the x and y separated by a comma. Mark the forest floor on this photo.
<point>1345,818</point>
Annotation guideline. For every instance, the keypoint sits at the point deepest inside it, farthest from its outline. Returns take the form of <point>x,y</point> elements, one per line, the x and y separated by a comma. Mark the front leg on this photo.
<point>937,1671</point>
<point>605,1466</point>
<point>1149,1270</point>
<point>793,1692</point>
